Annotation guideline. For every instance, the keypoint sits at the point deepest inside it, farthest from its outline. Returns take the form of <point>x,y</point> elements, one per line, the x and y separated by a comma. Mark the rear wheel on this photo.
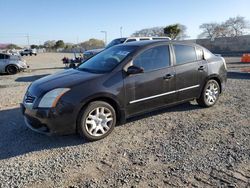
<point>97,120</point>
<point>210,94</point>
<point>11,69</point>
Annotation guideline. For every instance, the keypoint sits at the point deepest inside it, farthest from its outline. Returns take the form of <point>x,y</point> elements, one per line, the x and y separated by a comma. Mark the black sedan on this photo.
<point>121,82</point>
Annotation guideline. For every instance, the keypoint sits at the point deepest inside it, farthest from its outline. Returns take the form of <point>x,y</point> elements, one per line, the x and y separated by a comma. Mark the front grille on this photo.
<point>29,99</point>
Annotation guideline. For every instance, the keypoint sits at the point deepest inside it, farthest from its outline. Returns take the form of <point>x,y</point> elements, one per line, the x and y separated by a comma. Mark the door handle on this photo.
<point>201,68</point>
<point>168,76</point>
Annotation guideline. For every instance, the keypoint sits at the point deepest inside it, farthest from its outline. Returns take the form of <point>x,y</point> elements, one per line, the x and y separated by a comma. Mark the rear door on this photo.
<point>154,87</point>
<point>187,71</point>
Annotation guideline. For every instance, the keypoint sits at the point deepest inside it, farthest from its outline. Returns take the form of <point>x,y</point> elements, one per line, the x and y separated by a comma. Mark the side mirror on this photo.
<point>134,70</point>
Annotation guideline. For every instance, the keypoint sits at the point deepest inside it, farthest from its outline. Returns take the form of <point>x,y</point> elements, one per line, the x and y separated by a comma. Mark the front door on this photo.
<point>154,87</point>
<point>3,62</point>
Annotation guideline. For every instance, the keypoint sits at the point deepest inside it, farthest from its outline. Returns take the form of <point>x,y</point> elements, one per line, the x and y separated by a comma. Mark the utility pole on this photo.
<point>106,36</point>
<point>121,30</point>
<point>28,39</point>
<point>77,40</point>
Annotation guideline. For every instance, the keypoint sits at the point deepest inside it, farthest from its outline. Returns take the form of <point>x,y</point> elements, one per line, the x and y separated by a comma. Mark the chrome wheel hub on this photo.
<point>99,121</point>
<point>212,93</point>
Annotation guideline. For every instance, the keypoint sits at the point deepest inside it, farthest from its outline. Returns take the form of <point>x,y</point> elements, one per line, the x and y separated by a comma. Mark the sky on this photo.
<point>78,20</point>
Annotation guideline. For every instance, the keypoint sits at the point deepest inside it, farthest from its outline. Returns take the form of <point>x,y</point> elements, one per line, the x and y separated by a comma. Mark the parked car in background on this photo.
<point>11,64</point>
<point>90,53</point>
<point>28,52</point>
<point>121,82</point>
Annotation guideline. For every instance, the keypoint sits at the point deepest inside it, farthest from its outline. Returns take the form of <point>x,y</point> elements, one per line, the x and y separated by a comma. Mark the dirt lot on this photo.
<point>181,146</point>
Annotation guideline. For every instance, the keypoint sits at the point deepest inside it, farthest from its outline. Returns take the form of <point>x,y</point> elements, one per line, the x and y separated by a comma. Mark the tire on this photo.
<point>30,54</point>
<point>94,127</point>
<point>11,69</point>
<point>210,94</point>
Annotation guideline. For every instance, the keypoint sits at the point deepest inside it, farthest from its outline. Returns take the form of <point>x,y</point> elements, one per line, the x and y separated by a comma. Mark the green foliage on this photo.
<point>13,46</point>
<point>33,46</point>
<point>172,31</point>
<point>49,44</point>
<point>92,44</point>
<point>59,44</point>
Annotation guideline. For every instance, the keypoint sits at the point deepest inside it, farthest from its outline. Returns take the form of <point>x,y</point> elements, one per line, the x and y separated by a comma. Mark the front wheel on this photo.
<point>210,94</point>
<point>96,121</point>
<point>11,69</point>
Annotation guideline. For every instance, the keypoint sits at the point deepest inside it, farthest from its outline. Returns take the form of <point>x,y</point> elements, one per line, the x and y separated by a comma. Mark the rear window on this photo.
<point>200,54</point>
<point>184,54</point>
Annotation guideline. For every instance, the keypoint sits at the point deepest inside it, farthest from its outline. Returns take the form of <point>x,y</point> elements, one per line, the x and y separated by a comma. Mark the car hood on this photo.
<point>63,79</point>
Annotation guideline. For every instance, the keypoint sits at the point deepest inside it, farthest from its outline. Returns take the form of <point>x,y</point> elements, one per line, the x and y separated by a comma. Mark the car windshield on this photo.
<point>107,60</point>
<point>116,42</point>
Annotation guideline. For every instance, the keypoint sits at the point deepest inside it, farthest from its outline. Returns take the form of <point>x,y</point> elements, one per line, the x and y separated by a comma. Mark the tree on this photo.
<point>33,46</point>
<point>232,27</point>
<point>92,44</point>
<point>172,31</point>
<point>183,34</point>
<point>210,30</point>
<point>13,46</point>
<point>237,25</point>
<point>69,45</point>
<point>159,32</point>
<point>49,44</point>
<point>59,44</point>
<point>149,32</point>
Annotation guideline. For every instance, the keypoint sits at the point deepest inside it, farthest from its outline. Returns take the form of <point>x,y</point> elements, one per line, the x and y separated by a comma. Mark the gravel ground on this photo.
<point>184,146</point>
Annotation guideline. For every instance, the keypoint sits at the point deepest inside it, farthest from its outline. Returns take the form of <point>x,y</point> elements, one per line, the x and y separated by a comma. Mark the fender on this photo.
<point>110,98</point>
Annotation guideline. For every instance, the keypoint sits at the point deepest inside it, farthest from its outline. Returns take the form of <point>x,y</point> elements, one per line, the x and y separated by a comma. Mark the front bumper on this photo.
<point>50,121</point>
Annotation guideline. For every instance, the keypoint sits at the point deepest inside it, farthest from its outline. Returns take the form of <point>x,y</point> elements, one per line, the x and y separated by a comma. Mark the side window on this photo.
<point>144,39</point>
<point>131,40</point>
<point>200,54</point>
<point>153,59</point>
<point>184,54</point>
<point>2,56</point>
<point>7,56</point>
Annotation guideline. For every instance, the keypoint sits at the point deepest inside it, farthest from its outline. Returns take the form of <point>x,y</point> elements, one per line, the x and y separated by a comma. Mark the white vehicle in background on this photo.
<point>90,53</point>
<point>11,64</point>
<point>28,52</point>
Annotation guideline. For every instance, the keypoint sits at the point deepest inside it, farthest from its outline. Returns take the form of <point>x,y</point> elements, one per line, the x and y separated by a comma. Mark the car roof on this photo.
<point>153,42</point>
<point>125,38</point>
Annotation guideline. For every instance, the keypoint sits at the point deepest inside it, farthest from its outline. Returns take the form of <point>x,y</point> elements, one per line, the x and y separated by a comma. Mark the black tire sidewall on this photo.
<point>204,93</point>
<point>11,66</point>
<point>83,115</point>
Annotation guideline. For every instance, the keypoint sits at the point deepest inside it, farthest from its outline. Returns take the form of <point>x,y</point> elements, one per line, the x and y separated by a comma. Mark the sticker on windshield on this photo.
<point>123,53</point>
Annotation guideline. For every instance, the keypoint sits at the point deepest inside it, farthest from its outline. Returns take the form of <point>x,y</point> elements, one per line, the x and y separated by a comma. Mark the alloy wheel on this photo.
<point>99,121</point>
<point>212,93</point>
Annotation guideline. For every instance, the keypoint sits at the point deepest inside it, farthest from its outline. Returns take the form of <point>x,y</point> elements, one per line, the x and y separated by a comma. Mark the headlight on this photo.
<point>51,98</point>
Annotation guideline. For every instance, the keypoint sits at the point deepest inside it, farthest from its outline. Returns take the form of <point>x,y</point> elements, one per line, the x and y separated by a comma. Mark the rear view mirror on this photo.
<point>134,70</point>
